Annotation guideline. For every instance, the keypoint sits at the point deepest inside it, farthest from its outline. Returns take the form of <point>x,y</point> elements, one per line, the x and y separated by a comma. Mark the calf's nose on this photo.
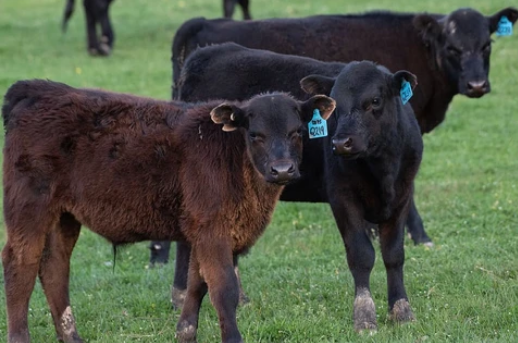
<point>478,88</point>
<point>283,171</point>
<point>342,146</point>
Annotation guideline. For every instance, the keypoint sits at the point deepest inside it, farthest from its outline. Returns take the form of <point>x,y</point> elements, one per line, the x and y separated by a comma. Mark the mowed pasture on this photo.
<point>465,289</point>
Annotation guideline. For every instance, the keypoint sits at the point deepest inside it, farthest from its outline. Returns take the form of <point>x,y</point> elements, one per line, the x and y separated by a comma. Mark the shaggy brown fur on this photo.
<point>134,169</point>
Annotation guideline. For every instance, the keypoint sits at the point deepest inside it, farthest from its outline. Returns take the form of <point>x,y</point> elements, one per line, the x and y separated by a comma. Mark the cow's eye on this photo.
<point>253,135</point>
<point>376,102</point>
<point>454,51</point>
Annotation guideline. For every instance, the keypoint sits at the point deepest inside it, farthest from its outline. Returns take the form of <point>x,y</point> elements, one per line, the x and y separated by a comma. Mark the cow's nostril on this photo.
<point>291,170</point>
<point>477,85</point>
<point>348,143</point>
<point>274,171</point>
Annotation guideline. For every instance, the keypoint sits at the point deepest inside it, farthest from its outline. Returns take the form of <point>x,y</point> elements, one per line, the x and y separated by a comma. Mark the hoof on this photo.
<point>429,244</point>
<point>364,313</point>
<point>243,299</point>
<point>186,333</point>
<point>401,312</point>
<point>178,298</point>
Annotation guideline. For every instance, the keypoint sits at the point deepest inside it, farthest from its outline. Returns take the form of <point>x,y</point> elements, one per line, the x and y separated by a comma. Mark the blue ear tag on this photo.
<point>406,92</point>
<point>317,126</point>
<point>505,27</point>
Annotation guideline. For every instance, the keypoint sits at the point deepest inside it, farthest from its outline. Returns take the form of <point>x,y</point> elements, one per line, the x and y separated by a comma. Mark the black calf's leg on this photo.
<point>360,258</point>
<point>392,249</point>
<point>415,226</point>
<point>183,253</point>
<point>228,8</point>
<point>91,30</point>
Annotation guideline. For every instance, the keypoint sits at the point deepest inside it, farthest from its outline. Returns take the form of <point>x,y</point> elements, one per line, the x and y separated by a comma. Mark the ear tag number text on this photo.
<point>317,126</point>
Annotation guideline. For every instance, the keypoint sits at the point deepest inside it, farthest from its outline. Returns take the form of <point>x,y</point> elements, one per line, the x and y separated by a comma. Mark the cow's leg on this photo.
<point>228,8</point>
<point>196,290</point>
<point>91,30</point>
<point>360,258</point>
<point>107,36</point>
<point>159,252</point>
<point>392,249</point>
<point>54,275</point>
<point>21,258</point>
<point>415,226</point>
<point>245,6</point>
<point>183,253</point>
<point>217,268</point>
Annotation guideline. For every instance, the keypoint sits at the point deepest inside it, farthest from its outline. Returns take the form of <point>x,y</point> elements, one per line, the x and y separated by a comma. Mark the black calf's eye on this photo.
<point>454,51</point>
<point>376,102</point>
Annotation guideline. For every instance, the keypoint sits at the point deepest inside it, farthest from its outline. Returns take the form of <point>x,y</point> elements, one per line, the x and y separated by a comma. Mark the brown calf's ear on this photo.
<point>317,84</point>
<point>428,26</point>
<point>230,116</point>
<point>324,104</point>
<point>510,12</point>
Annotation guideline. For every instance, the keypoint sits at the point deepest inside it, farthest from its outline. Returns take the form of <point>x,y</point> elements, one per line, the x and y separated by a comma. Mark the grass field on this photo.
<point>463,290</point>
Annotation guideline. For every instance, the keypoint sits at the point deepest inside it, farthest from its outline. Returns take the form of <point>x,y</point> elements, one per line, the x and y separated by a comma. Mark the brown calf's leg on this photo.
<point>196,290</point>
<point>21,259</point>
<point>216,264</point>
<point>54,276</point>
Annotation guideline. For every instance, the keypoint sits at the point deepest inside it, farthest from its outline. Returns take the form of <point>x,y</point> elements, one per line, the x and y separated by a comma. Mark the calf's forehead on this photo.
<point>360,78</point>
<point>276,113</point>
<point>467,28</point>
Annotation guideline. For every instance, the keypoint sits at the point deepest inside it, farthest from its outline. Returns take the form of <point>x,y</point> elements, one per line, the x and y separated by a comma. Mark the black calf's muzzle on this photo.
<point>476,89</point>
<point>282,171</point>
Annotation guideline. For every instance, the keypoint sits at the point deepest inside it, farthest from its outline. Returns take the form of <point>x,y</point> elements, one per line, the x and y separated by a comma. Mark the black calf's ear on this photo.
<point>317,84</point>
<point>429,27</point>
<point>510,12</point>
<point>401,76</point>
<point>324,104</point>
<point>230,116</point>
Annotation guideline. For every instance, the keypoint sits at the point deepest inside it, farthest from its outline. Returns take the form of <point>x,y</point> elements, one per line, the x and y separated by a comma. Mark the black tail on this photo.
<point>69,10</point>
<point>180,46</point>
<point>28,92</point>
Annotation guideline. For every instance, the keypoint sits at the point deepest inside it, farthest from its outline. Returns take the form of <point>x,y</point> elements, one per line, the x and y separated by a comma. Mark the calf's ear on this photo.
<point>510,12</point>
<point>230,116</point>
<point>317,84</point>
<point>429,28</point>
<point>324,104</point>
<point>399,77</point>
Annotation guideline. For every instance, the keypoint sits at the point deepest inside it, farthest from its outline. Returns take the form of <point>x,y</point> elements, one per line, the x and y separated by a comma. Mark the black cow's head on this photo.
<point>273,127</point>
<point>461,45</point>
<point>367,97</point>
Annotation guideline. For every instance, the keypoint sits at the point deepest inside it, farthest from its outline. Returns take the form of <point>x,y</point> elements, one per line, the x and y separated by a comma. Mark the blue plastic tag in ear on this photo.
<point>505,27</point>
<point>317,126</point>
<point>406,92</point>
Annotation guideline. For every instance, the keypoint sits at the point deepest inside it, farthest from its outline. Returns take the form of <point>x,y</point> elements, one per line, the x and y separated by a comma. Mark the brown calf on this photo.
<point>134,169</point>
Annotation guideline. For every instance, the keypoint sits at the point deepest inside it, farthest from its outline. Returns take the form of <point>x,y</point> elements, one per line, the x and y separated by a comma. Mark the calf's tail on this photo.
<point>69,10</point>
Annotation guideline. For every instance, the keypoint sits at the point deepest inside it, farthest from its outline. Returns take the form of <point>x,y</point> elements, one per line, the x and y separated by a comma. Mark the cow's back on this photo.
<point>386,38</point>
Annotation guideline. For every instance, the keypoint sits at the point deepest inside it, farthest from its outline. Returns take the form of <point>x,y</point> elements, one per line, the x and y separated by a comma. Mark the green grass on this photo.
<point>464,290</point>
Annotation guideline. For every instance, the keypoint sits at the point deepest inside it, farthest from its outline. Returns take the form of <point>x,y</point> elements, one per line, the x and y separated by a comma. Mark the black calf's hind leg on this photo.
<point>415,226</point>
<point>183,253</point>
<point>108,36</point>
<point>392,249</point>
<point>54,275</point>
<point>245,6</point>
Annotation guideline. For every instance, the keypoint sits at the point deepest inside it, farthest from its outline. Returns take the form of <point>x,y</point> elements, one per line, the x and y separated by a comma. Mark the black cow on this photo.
<point>376,138</point>
<point>448,53</point>
<point>96,13</point>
